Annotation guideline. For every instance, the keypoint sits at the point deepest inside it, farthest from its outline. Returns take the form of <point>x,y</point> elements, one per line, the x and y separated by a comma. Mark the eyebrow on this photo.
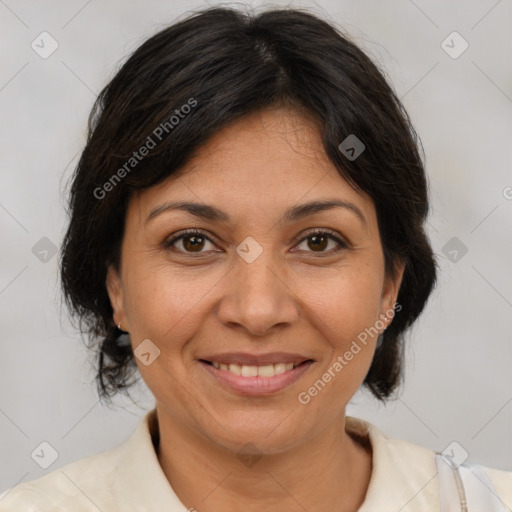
<point>211,213</point>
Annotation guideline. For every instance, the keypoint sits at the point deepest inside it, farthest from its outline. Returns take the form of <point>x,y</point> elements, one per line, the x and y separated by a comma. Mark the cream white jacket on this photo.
<point>129,478</point>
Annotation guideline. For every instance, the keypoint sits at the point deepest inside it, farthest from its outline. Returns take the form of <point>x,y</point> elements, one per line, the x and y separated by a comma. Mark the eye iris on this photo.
<point>195,244</point>
<point>315,239</point>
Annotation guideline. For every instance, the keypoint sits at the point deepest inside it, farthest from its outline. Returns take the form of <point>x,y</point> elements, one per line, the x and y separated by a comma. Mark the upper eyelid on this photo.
<point>188,232</point>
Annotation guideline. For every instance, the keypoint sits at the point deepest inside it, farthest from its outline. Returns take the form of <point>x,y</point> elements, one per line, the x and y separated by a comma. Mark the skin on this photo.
<point>296,296</point>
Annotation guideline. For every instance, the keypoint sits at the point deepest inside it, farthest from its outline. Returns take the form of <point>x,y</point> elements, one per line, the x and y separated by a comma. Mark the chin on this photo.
<point>269,433</point>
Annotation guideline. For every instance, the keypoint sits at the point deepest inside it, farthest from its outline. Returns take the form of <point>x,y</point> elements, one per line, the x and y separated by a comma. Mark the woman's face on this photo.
<point>278,291</point>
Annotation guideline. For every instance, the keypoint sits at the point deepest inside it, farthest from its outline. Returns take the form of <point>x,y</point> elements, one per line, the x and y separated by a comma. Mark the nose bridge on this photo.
<point>258,297</point>
<point>258,277</point>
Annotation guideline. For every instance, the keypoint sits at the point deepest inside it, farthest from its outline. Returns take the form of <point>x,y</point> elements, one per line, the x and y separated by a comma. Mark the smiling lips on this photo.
<point>256,374</point>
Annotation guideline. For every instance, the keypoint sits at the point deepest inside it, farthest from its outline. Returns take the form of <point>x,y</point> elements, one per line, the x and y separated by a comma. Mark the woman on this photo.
<point>247,233</point>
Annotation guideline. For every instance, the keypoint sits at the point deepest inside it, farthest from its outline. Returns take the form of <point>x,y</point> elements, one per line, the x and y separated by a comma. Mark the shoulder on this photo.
<point>81,486</point>
<point>124,478</point>
<point>405,475</point>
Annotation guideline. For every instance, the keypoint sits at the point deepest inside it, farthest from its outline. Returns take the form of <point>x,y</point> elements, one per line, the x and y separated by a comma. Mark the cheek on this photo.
<point>162,302</point>
<point>344,310</point>
<point>344,305</point>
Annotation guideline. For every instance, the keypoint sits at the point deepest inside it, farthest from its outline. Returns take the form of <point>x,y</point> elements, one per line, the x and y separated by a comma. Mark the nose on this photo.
<point>258,298</point>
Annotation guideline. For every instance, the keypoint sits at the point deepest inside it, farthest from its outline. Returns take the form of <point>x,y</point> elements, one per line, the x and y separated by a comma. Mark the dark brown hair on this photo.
<point>232,63</point>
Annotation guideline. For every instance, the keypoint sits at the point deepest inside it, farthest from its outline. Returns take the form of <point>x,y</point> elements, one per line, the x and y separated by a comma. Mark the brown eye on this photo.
<point>191,242</point>
<point>318,241</point>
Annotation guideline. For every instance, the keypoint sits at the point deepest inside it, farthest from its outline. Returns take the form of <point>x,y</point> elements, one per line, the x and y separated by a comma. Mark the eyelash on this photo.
<point>167,244</point>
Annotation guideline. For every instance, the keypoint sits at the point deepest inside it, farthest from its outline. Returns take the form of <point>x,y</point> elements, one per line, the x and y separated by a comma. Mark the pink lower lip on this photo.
<point>257,385</point>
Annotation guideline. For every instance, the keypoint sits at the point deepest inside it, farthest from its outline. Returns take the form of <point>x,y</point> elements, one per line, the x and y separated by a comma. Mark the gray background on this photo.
<point>458,379</point>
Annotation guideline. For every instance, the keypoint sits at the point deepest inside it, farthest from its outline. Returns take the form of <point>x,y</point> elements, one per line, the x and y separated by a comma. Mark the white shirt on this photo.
<point>129,478</point>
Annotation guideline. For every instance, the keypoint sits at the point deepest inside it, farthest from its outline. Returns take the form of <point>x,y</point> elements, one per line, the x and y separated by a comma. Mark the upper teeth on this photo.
<point>268,370</point>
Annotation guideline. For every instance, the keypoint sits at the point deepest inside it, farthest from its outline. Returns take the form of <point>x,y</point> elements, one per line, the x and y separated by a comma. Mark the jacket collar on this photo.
<point>140,484</point>
<point>403,474</point>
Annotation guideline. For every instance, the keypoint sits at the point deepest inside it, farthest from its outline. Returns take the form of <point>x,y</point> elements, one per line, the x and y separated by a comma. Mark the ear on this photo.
<point>116,296</point>
<point>390,289</point>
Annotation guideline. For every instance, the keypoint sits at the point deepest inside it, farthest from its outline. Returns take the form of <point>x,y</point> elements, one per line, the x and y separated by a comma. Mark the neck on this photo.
<point>330,471</point>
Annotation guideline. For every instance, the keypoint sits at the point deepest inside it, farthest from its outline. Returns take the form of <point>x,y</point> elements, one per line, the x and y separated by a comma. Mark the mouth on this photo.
<point>244,376</point>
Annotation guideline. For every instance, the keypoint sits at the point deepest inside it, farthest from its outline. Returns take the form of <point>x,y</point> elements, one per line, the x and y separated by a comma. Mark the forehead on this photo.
<point>267,143</point>
<point>256,167</point>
